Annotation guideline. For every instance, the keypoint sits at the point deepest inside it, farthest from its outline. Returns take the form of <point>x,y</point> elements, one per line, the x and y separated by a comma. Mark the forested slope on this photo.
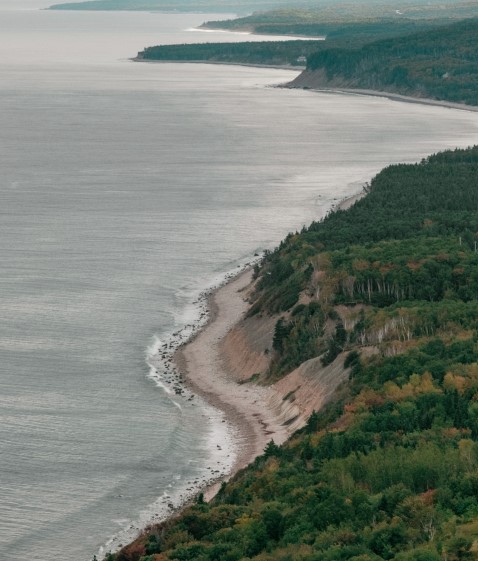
<point>276,53</point>
<point>389,470</point>
<point>424,57</point>
<point>339,35</point>
<point>335,18</point>
<point>440,64</point>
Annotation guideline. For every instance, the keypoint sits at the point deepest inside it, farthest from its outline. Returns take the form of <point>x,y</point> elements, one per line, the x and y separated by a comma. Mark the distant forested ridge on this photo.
<point>441,63</point>
<point>389,470</point>
<point>278,53</point>
<point>209,6</point>
<point>337,19</point>
<point>154,5</point>
<point>337,60</point>
<point>317,10</point>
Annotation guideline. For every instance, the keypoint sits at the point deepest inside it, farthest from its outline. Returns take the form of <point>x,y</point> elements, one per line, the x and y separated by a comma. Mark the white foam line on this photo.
<point>219,465</point>
<point>222,437</point>
<point>161,351</point>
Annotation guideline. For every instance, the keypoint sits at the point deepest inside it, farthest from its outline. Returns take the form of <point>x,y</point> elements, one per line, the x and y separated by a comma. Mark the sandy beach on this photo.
<point>213,364</point>
<point>247,406</point>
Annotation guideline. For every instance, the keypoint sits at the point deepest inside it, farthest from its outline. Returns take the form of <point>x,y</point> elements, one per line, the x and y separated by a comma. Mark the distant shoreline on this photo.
<point>246,406</point>
<point>252,31</point>
<point>220,63</point>
<point>389,95</point>
<point>339,91</point>
<point>316,81</point>
<point>258,413</point>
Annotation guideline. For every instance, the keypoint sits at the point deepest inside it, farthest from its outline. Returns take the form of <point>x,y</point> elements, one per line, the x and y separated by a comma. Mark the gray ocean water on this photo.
<point>126,188</point>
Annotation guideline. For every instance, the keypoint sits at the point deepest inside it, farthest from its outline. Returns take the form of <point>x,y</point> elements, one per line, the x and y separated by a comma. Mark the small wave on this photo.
<point>222,436</point>
<point>154,376</point>
<point>180,490</point>
<point>153,349</point>
<point>192,315</point>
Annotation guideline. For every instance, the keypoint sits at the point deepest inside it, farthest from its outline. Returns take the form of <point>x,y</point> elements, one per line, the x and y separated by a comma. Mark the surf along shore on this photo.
<point>202,362</point>
<point>221,360</point>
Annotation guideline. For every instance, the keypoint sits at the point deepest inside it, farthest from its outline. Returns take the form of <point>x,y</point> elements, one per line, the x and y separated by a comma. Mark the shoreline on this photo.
<point>252,31</point>
<point>247,407</point>
<point>218,62</point>
<point>222,441</point>
<point>196,365</point>
<point>338,91</point>
<point>192,362</point>
<point>257,414</point>
<point>411,99</point>
<point>387,95</point>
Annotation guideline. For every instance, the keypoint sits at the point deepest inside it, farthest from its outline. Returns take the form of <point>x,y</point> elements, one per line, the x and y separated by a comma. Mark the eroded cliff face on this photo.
<point>247,353</point>
<point>308,388</point>
<point>247,348</point>
<point>317,79</point>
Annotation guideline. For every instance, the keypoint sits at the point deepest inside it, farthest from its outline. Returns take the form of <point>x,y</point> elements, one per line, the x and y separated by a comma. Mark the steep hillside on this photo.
<point>386,293</point>
<point>440,64</point>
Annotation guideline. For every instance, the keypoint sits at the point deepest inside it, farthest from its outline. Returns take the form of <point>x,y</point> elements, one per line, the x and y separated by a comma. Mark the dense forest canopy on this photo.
<point>419,54</point>
<point>337,35</point>
<point>387,471</point>
<point>325,18</point>
<point>440,63</point>
<point>291,53</point>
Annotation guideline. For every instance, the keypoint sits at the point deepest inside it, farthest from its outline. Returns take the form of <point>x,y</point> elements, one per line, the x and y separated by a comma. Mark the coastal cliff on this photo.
<point>247,352</point>
<point>439,64</point>
<point>362,331</point>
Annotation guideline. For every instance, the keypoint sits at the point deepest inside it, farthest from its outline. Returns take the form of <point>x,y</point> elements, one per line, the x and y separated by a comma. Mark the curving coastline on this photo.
<point>248,407</point>
<point>218,361</point>
<point>315,81</point>
<point>308,81</point>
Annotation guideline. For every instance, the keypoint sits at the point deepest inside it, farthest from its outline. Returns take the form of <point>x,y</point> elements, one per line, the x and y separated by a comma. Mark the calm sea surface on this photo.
<point>125,188</point>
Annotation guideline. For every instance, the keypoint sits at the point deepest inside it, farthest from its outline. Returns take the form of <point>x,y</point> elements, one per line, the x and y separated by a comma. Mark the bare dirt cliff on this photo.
<point>246,353</point>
